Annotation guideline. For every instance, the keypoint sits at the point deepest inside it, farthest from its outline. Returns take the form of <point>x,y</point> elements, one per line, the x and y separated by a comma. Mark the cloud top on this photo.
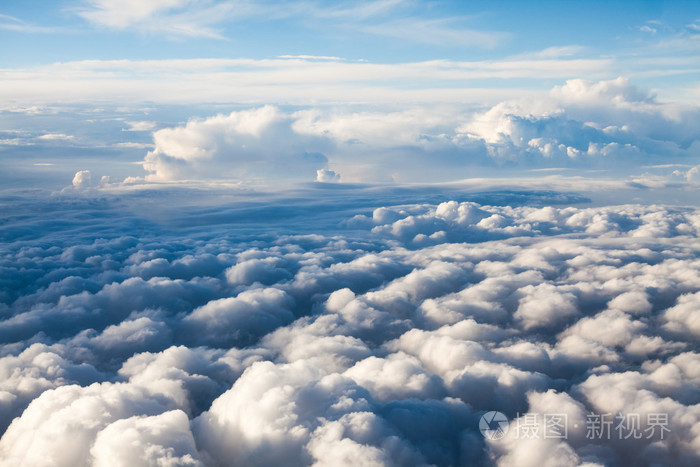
<point>384,338</point>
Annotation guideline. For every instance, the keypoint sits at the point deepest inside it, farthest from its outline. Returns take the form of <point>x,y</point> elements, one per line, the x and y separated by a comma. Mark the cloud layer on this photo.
<point>574,126</point>
<point>380,339</point>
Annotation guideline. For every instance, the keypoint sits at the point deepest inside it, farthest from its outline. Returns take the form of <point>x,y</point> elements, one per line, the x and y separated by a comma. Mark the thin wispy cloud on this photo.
<point>438,32</point>
<point>172,18</point>
<point>10,23</point>
<point>204,19</point>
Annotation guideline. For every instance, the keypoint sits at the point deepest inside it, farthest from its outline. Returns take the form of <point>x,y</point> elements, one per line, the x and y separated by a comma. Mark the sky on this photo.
<point>356,233</point>
<point>382,92</point>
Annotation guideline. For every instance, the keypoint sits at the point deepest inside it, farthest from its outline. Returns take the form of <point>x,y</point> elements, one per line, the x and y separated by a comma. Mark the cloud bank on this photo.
<point>193,337</point>
<point>574,126</point>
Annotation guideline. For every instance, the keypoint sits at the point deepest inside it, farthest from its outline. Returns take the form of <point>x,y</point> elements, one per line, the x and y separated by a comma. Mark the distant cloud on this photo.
<point>311,57</point>
<point>579,122</point>
<point>134,145</point>
<point>247,144</point>
<point>57,136</point>
<point>438,32</point>
<point>169,17</point>
<point>10,23</point>
<point>327,176</point>
<point>140,126</point>
<point>82,180</point>
<point>184,18</point>
<point>575,125</point>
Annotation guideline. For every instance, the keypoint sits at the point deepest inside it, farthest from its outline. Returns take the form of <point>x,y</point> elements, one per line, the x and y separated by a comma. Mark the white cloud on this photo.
<point>574,126</point>
<point>327,176</point>
<point>59,427</point>
<point>373,327</point>
<point>437,32</point>
<point>239,320</point>
<point>57,136</point>
<point>610,328</point>
<point>683,318</point>
<point>282,81</point>
<point>10,23</point>
<point>163,439</point>
<point>246,144</point>
<point>170,17</point>
<point>545,306</point>
<point>360,438</point>
<point>82,180</point>
<point>398,376</point>
<point>142,125</point>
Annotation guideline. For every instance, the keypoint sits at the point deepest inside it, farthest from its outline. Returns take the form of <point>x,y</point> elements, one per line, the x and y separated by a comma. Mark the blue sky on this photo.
<point>339,233</point>
<point>364,89</point>
<point>384,31</point>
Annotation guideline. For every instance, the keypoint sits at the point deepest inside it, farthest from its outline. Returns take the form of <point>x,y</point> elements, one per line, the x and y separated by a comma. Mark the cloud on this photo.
<point>437,32</point>
<point>192,19</point>
<point>360,438</point>
<point>239,320</point>
<point>60,426</point>
<point>578,124</point>
<point>377,325</point>
<point>575,126</point>
<point>160,439</point>
<point>57,136</point>
<point>170,17</point>
<point>521,447</point>
<point>682,318</point>
<point>34,370</point>
<point>545,306</point>
<point>284,81</point>
<point>250,143</point>
<point>140,125</point>
<point>82,180</point>
<point>10,23</point>
<point>327,176</point>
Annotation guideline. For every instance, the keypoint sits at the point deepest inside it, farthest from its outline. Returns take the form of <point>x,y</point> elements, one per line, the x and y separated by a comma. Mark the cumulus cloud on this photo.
<point>579,125</point>
<point>239,320</point>
<point>245,144</point>
<point>60,426</point>
<point>683,317</point>
<point>163,439</point>
<point>378,331</point>
<point>575,125</point>
<point>327,176</point>
<point>82,180</point>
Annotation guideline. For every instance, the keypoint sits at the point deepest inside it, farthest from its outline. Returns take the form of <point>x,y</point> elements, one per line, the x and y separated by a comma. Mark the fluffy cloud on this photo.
<point>683,317</point>
<point>163,439</point>
<point>246,144</point>
<point>327,176</point>
<point>239,320</point>
<point>60,426</point>
<point>574,125</point>
<point>82,180</point>
<point>578,124</point>
<point>377,332</point>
